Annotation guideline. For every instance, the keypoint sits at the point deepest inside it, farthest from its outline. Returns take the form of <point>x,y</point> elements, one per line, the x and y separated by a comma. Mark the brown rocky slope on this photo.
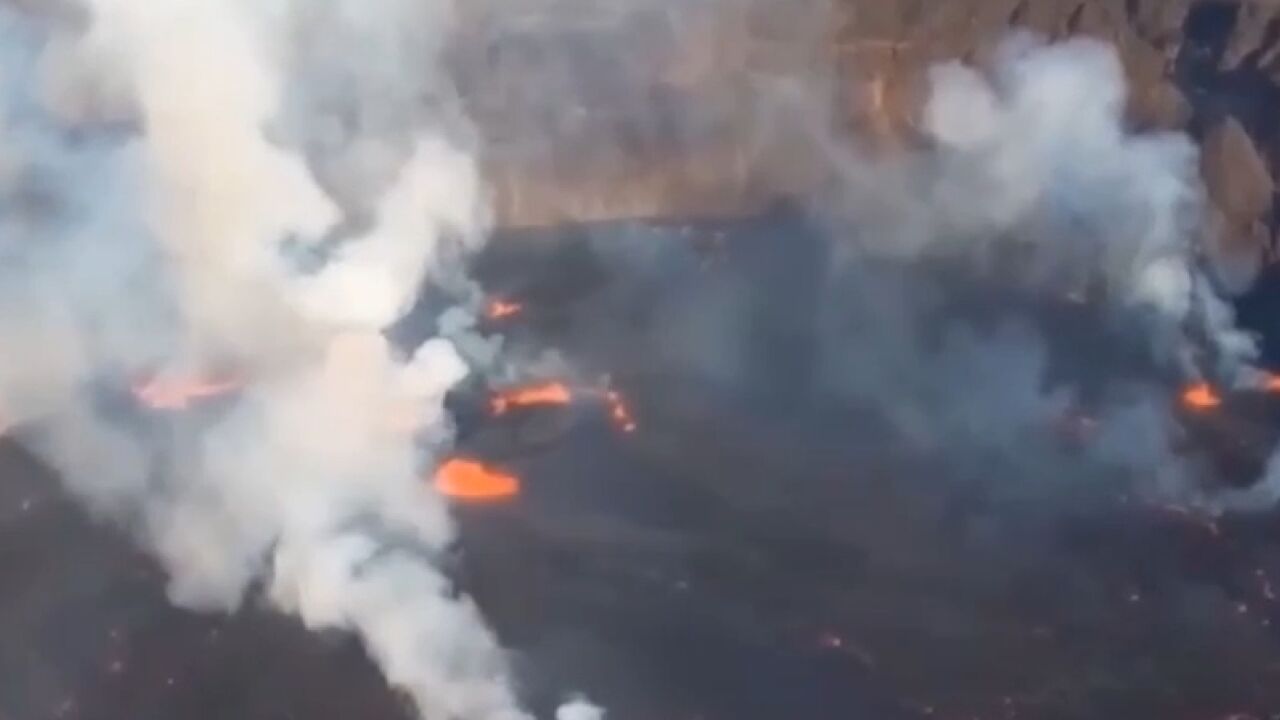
<point>623,109</point>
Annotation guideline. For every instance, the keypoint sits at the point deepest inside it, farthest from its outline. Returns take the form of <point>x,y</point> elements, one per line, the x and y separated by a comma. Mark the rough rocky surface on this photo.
<point>1236,172</point>
<point>1210,67</point>
<point>653,109</point>
<point>1241,189</point>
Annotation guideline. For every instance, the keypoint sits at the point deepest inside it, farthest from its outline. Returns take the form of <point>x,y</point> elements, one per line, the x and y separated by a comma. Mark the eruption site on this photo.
<point>419,359</point>
<point>469,480</point>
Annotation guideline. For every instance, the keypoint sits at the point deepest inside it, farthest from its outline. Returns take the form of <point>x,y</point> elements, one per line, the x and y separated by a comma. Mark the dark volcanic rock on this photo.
<point>1254,33</point>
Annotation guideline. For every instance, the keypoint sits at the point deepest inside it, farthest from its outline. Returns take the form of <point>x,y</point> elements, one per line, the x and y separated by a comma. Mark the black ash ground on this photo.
<point>768,544</point>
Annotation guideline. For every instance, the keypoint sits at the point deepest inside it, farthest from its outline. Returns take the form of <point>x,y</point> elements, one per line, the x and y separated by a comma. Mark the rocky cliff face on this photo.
<point>1209,67</point>
<point>602,110</point>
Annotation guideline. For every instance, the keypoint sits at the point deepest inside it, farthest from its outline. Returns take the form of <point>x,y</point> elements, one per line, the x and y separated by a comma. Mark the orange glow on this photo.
<point>548,393</point>
<point>619,412</point>
<point>500,309</point>
<point>1271,382</point>
<point>179,393</point>
<point>472,481</point>
<point>1201,396</point>
<point>556,393</point>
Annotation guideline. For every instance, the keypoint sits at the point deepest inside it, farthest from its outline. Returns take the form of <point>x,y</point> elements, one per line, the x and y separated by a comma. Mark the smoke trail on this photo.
<point>190,185</point>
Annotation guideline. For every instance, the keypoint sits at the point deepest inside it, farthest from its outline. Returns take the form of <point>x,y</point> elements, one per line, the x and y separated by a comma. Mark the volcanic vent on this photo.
<point>962,427</point>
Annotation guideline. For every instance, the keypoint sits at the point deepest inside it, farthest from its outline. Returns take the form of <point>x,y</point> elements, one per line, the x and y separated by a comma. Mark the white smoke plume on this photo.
<point>1027,173</point>
<point>188,186</point>
<point>579,709</point>
<point>1031,156</point>
<point>1035,157</point>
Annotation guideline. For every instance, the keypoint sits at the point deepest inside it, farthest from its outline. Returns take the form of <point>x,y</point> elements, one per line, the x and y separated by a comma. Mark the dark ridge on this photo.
<point>1246,92</point>
<point>1075,19</point>
<point>1251,96</point>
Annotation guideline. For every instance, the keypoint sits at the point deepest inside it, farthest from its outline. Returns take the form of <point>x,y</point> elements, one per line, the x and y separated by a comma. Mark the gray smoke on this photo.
<point>189,186</point>
<point>1030,178</point>
<point>1026,178</point>
<point>1031,158</point>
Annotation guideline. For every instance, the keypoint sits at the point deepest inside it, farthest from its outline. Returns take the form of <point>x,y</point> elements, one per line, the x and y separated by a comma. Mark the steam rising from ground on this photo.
<point>1033,167</point>
<point>1032,181</point>
<point>1028,183</point>
<point>1042,153</point>
<point>188,186</point>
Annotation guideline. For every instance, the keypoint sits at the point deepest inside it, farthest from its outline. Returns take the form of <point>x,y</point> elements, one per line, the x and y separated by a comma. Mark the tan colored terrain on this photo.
<point>592,111</point>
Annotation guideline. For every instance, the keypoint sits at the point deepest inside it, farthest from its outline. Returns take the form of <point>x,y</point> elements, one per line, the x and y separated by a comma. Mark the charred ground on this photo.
<point>766,544</point>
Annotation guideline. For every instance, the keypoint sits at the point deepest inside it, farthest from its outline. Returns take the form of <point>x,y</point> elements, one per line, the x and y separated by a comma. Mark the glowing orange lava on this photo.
<point>472,481</point>
<point>179,393</point>
<point>548,393</point>
<point>1201,396</point>
<point>556,393</point>
<point>501,309</point>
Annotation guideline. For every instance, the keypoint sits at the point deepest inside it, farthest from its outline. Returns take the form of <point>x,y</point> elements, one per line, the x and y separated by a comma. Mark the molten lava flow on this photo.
<point>1201,396</point>
<point>548,393</point>
<point>500,309</point>
<point>472,481</point>
<point>619,412</point>
<point>553,393</point>
<point>178,393</point>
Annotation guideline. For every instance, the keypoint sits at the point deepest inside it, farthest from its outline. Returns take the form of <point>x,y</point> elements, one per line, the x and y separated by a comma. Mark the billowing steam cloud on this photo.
<point>189,186</point>
<point>1031,182</point>
<point>1032,167</point>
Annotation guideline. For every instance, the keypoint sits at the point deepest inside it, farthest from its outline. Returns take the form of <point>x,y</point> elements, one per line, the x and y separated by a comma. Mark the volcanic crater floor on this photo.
<point>754,548</point>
